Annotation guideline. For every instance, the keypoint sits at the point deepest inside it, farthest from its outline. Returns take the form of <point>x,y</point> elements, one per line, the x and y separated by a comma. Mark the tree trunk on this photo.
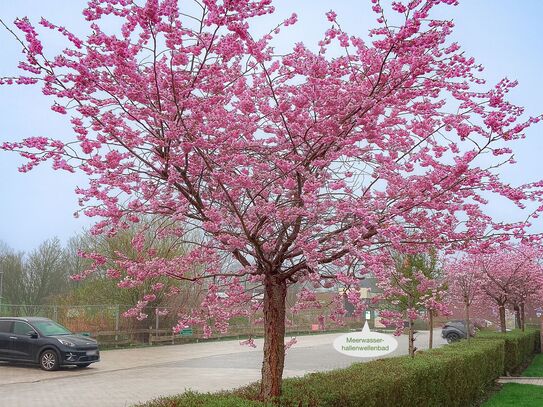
<point>517,316</point>
<point>411,334</point>
<point>501,309</point>
<point>275,291</point>
<point>522,317</point>
<point>466,307</point>
<point>431,322</point>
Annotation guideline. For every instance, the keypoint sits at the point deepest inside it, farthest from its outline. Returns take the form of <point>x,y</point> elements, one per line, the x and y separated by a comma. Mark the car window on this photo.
<point>5,326</point>
<point>21,328</point>
<point>48,328</point>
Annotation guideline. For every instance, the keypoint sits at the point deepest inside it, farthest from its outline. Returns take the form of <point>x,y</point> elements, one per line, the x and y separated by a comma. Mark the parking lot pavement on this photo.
<point>124,377</point>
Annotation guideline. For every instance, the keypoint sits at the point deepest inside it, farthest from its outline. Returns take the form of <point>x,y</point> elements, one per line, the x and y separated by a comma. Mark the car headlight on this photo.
<point>66,343</point>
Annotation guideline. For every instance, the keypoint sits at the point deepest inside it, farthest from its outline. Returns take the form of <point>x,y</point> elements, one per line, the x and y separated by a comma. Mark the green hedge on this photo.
<point>192,399</point>
<point>454,375</point>
<point>519,346</point>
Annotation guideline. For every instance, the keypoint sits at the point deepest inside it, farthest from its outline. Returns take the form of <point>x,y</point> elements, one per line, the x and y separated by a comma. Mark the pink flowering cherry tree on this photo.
<point>528,289</point>
<point>527,285</point>
<point>507,275</point>
<point>412,288</point>
<point>274,169</point>
<point>465,282</point>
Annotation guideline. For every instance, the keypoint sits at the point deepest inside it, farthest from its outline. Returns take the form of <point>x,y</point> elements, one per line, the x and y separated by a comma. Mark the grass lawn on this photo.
<point>514,394</point>
<point>525,395</point>
<point>536,367</point>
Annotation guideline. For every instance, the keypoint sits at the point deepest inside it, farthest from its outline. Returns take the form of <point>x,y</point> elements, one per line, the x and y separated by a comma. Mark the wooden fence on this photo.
<point>106,324</point>
<point>154,336</point>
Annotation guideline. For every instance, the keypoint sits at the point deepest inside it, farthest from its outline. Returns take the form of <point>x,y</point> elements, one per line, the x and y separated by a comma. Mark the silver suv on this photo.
<point>453,331</point>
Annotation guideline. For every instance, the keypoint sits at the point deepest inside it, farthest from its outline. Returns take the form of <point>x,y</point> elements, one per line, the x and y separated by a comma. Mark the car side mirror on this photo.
<point>32,334</point>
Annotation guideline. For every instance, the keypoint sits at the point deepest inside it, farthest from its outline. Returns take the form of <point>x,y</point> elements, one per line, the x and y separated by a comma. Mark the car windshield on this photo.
<point>50,328</point>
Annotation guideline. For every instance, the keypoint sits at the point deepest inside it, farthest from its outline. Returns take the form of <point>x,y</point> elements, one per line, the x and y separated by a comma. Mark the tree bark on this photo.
<point>275,291</point>
<point>517,317</point>
<point>431,323</point>
<point>466,309</point>
<point>522,317</point>
<point>501,309</point>
<point>411,334</point>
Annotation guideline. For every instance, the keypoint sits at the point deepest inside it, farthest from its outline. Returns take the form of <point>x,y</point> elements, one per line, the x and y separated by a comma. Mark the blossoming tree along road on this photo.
<point>299,167</point>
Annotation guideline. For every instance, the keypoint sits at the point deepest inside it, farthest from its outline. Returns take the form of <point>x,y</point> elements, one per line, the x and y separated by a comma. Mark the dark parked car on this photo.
<point>40,340</point>
<point>455,330</point>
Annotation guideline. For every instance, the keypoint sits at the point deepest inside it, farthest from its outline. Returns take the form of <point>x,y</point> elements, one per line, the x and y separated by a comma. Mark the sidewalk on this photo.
<point>536,381</point>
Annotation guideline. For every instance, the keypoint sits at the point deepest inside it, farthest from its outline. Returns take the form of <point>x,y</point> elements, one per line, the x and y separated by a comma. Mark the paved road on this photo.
<point>124,377</point>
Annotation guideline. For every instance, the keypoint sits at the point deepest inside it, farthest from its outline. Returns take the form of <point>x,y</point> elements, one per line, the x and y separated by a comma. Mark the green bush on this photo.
<point>519,347</point>
<point>192,399</point>
<point>455,375</point>
<point>537,341</point>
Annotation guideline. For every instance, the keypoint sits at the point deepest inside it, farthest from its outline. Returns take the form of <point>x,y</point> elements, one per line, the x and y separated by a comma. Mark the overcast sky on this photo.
<point>504,35</point>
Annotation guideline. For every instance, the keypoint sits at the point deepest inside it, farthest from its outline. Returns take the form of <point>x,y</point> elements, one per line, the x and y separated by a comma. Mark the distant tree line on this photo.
<point>42,276</point>
<point>37,276</point>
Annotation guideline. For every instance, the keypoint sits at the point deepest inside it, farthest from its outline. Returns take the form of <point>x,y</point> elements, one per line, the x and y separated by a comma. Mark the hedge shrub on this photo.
<point>454,375</point>
<point>519,346</point>
<point>192,399</point>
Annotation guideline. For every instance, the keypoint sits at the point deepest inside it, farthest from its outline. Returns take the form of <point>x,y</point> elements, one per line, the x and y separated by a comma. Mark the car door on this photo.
<point>22,345</point>
<point>5,333</point>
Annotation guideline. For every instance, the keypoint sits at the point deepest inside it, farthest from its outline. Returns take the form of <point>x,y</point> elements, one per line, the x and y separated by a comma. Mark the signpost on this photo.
<point>365,343</point>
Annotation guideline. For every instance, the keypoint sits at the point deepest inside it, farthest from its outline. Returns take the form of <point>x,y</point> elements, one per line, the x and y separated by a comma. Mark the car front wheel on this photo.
<point>452,337</point>
<point>49,360</point>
